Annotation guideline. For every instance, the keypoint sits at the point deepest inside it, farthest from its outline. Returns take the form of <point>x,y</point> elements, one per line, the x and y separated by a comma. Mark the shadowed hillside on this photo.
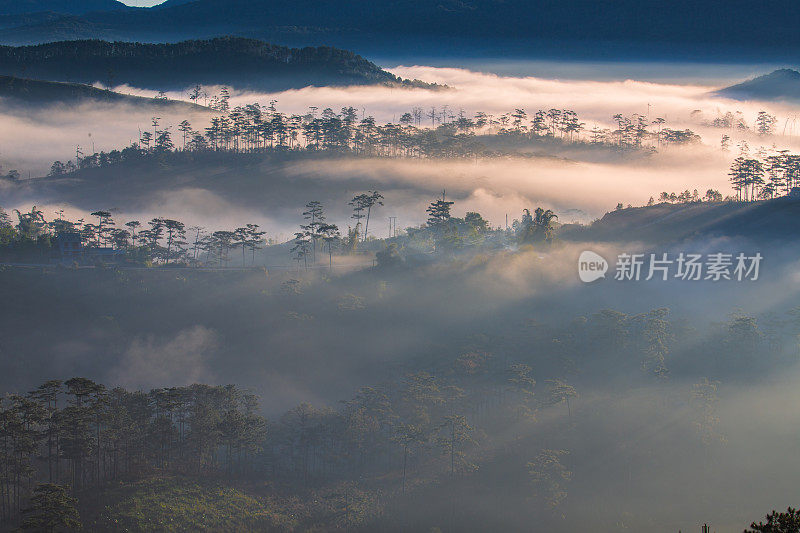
<point>560,28</point>
<point>47,92</point>
<point>16,7</point>
<point>243,63</point>
<point>772,219</point>
<point>782,84</point>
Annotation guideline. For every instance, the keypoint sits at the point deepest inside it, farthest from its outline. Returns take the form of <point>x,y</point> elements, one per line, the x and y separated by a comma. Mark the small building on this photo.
<point>71,250</point>
<point>70,246</point>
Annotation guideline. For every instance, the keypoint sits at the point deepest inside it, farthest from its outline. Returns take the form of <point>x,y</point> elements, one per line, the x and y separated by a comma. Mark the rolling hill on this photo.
<point>243,63</point>
<point>782,84</point>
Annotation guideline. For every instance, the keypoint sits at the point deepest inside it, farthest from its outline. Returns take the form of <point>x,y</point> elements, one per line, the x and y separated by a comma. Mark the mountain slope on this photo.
<point>782,84</point>
<point>688,25</point>
<point>68,7</point>
<point>38,92</point>
<point>27,19</point>
<point>243,63</point>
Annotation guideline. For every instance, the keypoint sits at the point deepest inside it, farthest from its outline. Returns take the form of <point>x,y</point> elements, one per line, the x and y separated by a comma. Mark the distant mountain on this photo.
<point>26,91</point>
<point>67,7</point>
<point>172,3</point>
<point>242,63</point>
<point>494,27</point>
<point>782,84</point>
<point>28,19</point>
<point>64,28</point>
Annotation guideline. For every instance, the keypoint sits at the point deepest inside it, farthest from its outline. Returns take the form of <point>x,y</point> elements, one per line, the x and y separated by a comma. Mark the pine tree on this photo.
<point>52,509</point>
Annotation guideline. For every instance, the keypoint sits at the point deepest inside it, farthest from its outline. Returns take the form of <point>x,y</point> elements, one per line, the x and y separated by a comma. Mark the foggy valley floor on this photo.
<point>548,379</point>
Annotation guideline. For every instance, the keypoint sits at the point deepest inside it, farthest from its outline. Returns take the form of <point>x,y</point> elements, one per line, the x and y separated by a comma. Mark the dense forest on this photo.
<point>245,63</point>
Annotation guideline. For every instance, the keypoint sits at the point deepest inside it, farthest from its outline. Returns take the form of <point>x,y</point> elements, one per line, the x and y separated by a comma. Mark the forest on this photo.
<point>371,463</point>
<point>245,63</point>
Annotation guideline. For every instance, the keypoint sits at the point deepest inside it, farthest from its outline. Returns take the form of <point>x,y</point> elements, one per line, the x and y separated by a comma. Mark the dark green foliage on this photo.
<point>390,257</point>
<point>91,435</point>
<point>537,228</point>
<point>51,509</point>
<point>439,212</point>
<point>788,522</point>
<point>185,504</point>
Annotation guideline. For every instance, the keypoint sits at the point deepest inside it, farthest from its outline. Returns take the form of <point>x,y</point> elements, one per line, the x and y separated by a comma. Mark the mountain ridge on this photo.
<point>358,23</point>
<point>239,62</point>
<point>66,7</point>
<point>781,84</point>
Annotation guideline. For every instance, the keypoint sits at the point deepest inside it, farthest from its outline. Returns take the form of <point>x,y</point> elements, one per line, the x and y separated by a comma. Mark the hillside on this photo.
<point>27,19</point>
<point>668,223</point>
<point>782,84</point>
<point>507,26</point>
<point>29,91</point>
<point>243,63</point>
<point>67,7</point>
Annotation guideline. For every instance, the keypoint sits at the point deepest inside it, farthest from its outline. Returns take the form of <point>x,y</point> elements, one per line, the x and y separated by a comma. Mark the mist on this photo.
<point>585,181</point>
<point>685,392</point>
<point>637,457</point>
